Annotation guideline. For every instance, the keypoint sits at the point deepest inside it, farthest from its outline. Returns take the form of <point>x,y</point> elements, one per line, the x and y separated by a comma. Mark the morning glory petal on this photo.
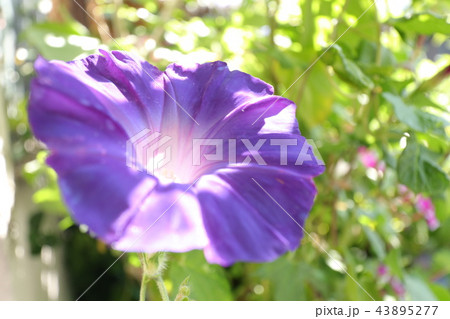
<point>237,209</point>
<point>88,111</point>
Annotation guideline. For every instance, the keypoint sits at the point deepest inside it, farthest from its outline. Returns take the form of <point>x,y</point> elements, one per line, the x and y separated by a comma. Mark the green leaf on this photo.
<point>38,235</point>
<point>348,70</point>
<point>49,200</point>
<point>441,260</point>
<point>284,60</point>
<point>424,23</point>
<point>376,243</point>
<point>183,291</point>
<point>206,281</point>
<point>418,289</point>
<point>394,261</point>
<point>287,278</point>
<point>441,205</point>
<point>364,28</point>
<point>422,100</point>
<point>317,100</point>
<point>60,41</point>
<point>417,169</point>
<point>367,56</point>
<point>416,118</point>
<point>440,292</point>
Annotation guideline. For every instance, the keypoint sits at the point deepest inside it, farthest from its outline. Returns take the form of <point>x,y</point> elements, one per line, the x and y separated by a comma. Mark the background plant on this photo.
<point>376,104</point>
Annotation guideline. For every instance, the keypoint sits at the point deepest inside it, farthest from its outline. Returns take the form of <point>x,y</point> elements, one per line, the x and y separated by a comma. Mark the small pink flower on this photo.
<point>381,166</point>
<point>367,157</point>
<point>425,206</point>
<point>406,195</point>
<point>402,189</point>
<point>433,223</point>
<point>382,270</point>
<point>397,287</point>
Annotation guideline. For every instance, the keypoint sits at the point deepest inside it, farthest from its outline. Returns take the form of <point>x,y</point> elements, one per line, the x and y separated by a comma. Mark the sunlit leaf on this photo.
<point>441,292</point>
<point>206,281</point>
<point>348,70</point>
<point>287,277</point>
<point>418,289</point>
<point>425,23</point>
<point>441,260</point>
<point>418,170</point>
<point>415,117</point>
<point>60,41</point>
<point>376,242</point>
<point>316,98</point>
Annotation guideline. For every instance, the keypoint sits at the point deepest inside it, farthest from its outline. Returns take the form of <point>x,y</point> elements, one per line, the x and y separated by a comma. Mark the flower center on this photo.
<point>171,167</point>
<point>166,176</point>
<point>168,157</point>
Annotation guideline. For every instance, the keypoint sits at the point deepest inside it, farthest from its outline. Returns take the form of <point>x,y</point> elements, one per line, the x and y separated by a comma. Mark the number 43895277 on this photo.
<point>406,310</point>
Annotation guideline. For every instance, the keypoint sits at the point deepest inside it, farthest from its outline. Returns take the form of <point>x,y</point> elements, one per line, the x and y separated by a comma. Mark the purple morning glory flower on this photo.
<point>87,111</point>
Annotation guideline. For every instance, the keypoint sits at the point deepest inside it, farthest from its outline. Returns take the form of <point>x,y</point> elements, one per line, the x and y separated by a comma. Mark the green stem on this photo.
<point>162,288</point>
<point>271,13</point>
<point>339,20</point>
<point>152,268</point>
<point>143,290</point>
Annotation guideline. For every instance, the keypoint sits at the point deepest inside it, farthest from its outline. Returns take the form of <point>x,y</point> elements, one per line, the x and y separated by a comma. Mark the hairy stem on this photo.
<point>162,288</point>
<point>143,290</point>
<point>152,269</point>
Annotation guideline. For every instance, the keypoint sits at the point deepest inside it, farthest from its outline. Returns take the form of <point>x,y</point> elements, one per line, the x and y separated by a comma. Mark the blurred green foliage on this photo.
<point>383,86</point>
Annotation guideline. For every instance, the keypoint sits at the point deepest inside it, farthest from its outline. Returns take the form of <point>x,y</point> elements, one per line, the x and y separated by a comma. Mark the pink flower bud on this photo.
<point>367,157</point>
<point>398,288</point>
<point>425,206</point>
